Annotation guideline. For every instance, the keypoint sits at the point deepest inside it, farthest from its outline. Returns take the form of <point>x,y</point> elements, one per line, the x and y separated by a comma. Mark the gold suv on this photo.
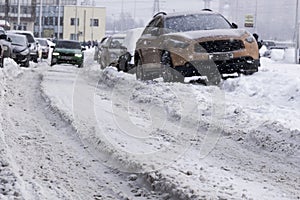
<point>205,44</point>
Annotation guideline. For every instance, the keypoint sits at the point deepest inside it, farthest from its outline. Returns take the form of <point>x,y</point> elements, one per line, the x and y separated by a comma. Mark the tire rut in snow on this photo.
<point>48,159</point>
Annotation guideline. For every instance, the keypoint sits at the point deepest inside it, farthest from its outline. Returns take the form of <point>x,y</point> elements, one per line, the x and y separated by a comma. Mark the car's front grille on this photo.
<point>67,54</point>
<point>219,46</point>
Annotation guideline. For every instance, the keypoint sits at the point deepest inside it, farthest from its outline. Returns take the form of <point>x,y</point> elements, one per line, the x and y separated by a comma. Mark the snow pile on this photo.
<point>183,136</point>
<point>9,186</point>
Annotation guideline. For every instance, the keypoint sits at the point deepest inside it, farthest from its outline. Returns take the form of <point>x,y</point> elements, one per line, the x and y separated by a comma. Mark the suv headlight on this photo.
<point>25,52</point>
<point>178,44</point>
<point>78,55</point>
<point>250,39</point>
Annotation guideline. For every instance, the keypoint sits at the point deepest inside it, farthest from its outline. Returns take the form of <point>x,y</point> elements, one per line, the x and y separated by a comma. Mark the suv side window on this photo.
<point>155,23</point>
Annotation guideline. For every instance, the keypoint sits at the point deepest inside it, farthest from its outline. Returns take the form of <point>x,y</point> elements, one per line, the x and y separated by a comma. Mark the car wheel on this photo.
<point>26,64</point>
<point>1,62</point>
<point>80,65</point>
<point>52,63</point>
<point>169,74</point>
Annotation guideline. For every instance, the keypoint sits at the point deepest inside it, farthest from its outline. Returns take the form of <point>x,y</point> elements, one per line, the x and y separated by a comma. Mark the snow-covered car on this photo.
<point>126,60</point>
<point>111,50</point>
<point>20,49</point>
<point>34,54</point>
<point>67,51</point>
<point>179,45</point>
<point>44,47</point>
<point>98,48</point>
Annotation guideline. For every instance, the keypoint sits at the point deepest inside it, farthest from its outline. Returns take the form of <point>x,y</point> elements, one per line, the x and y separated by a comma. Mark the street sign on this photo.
<point>249,21</point>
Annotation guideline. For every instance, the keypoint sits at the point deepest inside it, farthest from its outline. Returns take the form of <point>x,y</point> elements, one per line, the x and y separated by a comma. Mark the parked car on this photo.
<point>126,60</point>
<point>43,47</point>
<point>111,50</point>
<point>268,43</point>
<point>34,54</point>
<point>205,44</point>
<point>20,49</point>
<point>67,51</point>
<point>6,43</point>
<point>98,48</point>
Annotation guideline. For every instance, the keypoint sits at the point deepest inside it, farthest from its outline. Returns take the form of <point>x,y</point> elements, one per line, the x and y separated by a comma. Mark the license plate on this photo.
<point>220,56</point>
<point>66,58</point>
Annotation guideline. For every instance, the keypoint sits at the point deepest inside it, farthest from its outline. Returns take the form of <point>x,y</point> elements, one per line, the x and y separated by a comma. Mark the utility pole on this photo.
<point>58,23</point>
<point>207,4</point>
<point>156,8</point>
<point>296,34</point>
<point>19,15</point>
<point>40,18</point>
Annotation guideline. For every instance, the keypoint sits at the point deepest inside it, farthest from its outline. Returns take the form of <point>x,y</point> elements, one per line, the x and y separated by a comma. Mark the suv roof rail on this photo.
<point>160,13</point>
<point>207,9</point>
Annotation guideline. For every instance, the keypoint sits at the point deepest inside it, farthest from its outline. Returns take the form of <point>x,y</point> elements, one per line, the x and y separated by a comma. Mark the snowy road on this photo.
<point>91,130</point>
<point>42,157</point>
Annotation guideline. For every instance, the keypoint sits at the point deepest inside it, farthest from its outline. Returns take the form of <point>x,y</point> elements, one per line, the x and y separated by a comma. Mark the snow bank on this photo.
<point>162,129</point>
<point>9,185</point>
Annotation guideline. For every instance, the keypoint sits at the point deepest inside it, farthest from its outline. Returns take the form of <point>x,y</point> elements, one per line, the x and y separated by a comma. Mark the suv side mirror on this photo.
<point>234,25</point>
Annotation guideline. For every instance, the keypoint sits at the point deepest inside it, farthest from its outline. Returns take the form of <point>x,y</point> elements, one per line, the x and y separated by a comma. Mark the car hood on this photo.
<point>216,33</point>
<point>17,48</point>
<point>63,50</point>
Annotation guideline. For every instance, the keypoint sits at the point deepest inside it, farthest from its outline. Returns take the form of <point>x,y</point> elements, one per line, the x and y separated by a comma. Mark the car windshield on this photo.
<point>68,44</point>
<point>17,39</point>
<point>29,37</point>
<point>116,43</point>
<point>42,42</point>
<point>196,22</point>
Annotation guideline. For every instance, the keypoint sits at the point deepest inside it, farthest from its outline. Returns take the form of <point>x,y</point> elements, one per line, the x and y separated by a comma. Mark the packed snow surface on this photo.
<point>238,140</point>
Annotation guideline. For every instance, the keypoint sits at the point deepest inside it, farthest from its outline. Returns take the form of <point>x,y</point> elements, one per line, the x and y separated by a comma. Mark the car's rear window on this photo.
<point>196,22</point>
<point>17,40</point>
<point>42,42</point>
<point>68,44</point>
<point>29,37</point>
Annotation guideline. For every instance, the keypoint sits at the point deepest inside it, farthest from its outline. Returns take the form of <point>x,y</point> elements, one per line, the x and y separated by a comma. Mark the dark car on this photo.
<point>111,49</point>
<point>67,51</point>
<point>34,54</point>
<point>203,44</point>
<point>6,43</point>
<point>20,49</point>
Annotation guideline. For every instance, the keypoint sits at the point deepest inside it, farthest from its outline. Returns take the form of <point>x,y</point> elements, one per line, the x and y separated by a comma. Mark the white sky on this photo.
<point>143,9</point>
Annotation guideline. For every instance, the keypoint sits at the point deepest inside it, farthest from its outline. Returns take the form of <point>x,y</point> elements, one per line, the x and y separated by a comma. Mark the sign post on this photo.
<point>249,21</point>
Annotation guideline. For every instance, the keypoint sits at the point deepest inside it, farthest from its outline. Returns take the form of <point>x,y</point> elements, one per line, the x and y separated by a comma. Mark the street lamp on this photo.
<point>296,35</point>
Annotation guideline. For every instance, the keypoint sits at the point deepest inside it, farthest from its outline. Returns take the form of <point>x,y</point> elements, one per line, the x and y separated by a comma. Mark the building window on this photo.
<point>94,22</point>
<point>73,21</point>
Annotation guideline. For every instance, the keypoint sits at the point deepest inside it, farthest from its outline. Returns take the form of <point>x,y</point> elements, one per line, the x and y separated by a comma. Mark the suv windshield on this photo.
<point>68,45</point>
<point>195,22</point>
<point>29,37</point>
<point>17,39</point>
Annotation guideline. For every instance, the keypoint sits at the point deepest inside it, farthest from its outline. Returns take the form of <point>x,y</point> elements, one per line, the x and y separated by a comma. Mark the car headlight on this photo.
<point>55,54</point>
<point>250,39</point>
<point>178,44</point>
<point>25,52</point>
<point>78,55</point>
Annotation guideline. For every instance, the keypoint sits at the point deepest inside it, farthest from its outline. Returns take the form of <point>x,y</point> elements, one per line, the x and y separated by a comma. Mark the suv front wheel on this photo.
<point>169,74</point>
